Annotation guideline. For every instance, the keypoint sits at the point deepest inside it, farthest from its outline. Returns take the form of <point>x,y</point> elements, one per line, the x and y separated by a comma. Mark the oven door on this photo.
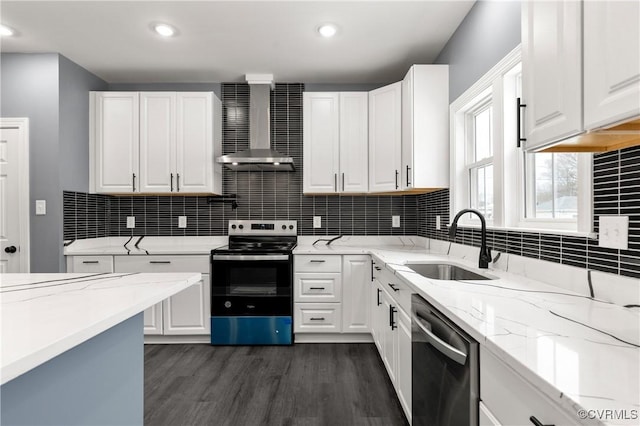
<point>251,285</point>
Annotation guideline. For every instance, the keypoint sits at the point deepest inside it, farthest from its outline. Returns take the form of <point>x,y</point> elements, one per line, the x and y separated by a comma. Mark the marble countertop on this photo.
<point>580,352</point>
<point>44,315</point>
<point>147,246</point>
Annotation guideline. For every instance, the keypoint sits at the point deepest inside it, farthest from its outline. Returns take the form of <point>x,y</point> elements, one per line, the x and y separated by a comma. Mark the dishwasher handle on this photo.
<point>444,348</point>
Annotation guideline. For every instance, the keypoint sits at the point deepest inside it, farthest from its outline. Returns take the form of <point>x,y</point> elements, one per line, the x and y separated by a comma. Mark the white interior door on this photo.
<point>14,195</point>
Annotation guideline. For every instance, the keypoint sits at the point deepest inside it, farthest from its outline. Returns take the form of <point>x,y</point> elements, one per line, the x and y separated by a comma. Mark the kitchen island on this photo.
<point>72,345</point>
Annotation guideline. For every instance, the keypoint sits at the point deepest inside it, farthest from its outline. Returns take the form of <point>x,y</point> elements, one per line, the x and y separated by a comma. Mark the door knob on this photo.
<point>10,249</point>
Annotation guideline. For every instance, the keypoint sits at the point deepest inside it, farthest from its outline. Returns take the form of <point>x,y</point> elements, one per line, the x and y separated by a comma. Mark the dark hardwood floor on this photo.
<point>304,384</point>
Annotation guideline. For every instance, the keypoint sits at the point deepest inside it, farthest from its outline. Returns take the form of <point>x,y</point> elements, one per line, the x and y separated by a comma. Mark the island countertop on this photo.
<point>44,315</point>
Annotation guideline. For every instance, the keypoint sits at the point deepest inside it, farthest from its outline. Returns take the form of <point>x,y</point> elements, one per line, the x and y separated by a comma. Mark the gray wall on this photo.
<point>33,86</point>
<point>29,85</point>
<point>490,30</point>
<point>170,87</point>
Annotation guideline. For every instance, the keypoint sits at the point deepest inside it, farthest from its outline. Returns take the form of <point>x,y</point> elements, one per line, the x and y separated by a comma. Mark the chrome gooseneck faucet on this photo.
<point>485,252</point>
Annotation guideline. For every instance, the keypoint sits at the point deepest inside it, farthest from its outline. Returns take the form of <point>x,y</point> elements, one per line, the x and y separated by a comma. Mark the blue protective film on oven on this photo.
<point>251,330</point>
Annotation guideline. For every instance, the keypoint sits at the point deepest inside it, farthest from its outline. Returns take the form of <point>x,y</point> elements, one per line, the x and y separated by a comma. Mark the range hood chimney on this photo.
<point>259,156</point>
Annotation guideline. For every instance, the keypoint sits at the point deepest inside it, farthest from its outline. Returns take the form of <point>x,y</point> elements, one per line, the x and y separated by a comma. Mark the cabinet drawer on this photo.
<point>316,263</point>
<point>95,264</point>
<point>317,318</point>
<point>512,399</point>
<point>162,264</point>
<point>400,292</point>
<point>317,287</point>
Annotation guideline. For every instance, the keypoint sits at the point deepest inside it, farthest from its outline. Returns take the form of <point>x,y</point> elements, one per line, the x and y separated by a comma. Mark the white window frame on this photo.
<point>508,160</point>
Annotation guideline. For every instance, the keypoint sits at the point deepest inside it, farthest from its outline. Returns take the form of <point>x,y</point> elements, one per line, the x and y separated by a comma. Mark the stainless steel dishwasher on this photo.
<point>445,371</point>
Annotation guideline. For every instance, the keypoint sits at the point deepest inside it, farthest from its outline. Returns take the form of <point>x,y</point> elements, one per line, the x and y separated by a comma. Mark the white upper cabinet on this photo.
<point>321,142</point>
<point>155,142</point>
<point>115,146</point>
<point>196,169</point>
<point>354,142</point>
<point>335,142</point>
<point>425,127</point>
<point>551,71</point>
<point>611,62</point>
<point>385,134</point>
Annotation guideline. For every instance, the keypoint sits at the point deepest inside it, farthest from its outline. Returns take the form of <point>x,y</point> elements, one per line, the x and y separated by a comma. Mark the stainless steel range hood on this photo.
<point>259,156</point>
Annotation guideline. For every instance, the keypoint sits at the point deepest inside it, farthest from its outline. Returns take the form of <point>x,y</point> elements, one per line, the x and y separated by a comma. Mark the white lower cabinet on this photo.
<point>331,297</point>
<point>486,417</point>
<point>391,330</point>
<point>509,399</point>
<point>185,313</point>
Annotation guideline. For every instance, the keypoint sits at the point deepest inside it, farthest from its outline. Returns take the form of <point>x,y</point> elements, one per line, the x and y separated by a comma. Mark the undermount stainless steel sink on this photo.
<point>445,271</point>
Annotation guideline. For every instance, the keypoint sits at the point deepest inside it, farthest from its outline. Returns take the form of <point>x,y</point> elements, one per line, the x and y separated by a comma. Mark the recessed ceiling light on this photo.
<point>164,30</point>
<point>327,30</point>
<point>6,31</point>
<point>234,164</point>
<point>276,164</point>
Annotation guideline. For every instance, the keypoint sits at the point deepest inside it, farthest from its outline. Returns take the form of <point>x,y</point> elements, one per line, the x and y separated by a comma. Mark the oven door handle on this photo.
<point>446,349</point>
<point>258,257</point>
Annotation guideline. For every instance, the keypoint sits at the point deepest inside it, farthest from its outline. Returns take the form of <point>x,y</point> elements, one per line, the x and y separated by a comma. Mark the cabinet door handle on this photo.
<point>133,179</point>
<point>392,322</point>
<point>335,182</point>
<point>160,261</point>
<point>317,319</point>
<point>378,268</point>
<point>178,182</point>
<point>342,182</point>
<point>396,179</point>
<point>537,422</point>
<point>372,270</point>
<point>90,261</point>
<point>519,138</point>
<point>379,303</point>
<point>317,261</point>
<point>316,288</point>
<point>408,183</point>
<point>393,287</point>
<point>171,182</point>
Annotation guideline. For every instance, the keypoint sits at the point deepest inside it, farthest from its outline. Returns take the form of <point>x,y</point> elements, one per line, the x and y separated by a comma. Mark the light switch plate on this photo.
<point>317,221</point>
<point>182,221</point>
<point>614,232</point>
<point>438,222</point>
<point>131,221</point>
<point>395,221</point>
<point>41,207</point>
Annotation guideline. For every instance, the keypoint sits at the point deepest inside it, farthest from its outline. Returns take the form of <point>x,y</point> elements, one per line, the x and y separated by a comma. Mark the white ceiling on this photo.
<point>221,41</point>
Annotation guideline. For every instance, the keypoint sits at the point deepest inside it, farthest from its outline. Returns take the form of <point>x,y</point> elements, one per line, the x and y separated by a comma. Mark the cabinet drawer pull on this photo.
<point>160,261</point>
<point>317,261</point>
<point>537,422</point>
<point>316,288</point>
<point>90,261</point>
<point>317,319</point>
<point>393,287</point>
<point>378,268</point>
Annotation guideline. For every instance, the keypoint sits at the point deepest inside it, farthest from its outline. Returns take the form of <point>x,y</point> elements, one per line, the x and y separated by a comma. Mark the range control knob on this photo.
<point>241,226</point>
<point>284,226</point>
<point>227,304</point>
<point>290,226</point>
<point>233,227</point>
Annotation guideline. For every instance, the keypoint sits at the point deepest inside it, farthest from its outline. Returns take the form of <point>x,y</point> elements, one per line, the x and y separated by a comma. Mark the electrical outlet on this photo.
<point>438,222</point>
<point>131,221</point>
<point>182,221</point>
<point>317,221</point>
<point>395,221</point>
<point>41,207</point>
<point>614,232</point>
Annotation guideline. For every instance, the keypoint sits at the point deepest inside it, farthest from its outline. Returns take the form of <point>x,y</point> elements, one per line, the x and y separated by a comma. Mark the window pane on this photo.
<point>482,134</point>
<point>482,190</point>
<point>554,182</point>
<point>566,186</point>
